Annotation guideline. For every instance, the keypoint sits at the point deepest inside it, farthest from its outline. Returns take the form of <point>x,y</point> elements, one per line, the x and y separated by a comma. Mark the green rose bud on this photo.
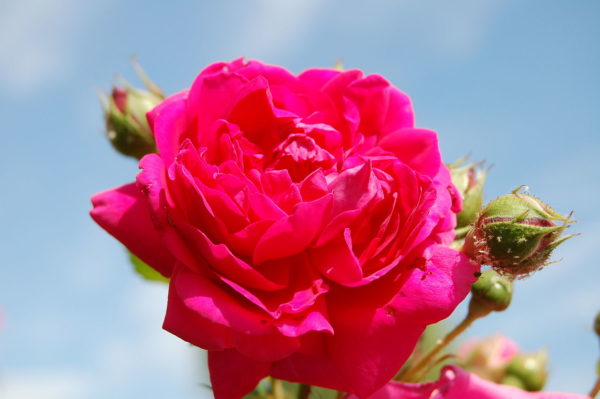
<point>527,371</point>
<point>515,234</point>
<point>468,180</point>
<point>125,115</point>
<point>126,124</point>
<point>491,292</point>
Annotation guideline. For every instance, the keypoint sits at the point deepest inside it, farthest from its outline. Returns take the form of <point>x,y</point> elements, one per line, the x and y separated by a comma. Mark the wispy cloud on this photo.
<point>274,26</point>
<point>47,384</point>
<point>35,40</point>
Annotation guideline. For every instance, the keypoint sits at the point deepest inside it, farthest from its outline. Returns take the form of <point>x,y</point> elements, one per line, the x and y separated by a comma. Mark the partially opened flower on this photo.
<point>303,221</point>
<point>488,358</point>
<point>455,383</point>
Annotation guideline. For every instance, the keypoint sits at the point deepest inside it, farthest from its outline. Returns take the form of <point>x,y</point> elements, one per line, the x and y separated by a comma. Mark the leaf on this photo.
<point>146,271</point>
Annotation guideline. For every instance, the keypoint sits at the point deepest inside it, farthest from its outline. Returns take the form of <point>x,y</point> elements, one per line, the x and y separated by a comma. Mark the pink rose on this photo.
<point>488,357</point>
<point>455,383</point>
<point>303,221</point>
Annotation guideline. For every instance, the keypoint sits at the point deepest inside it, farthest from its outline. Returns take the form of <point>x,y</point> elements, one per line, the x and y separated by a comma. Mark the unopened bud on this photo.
<point>491,292</point>
<point>515,234</point>
<point>527,371</point>
<point>468,180</point>
<point>597,324</point>
<point>126,124</point>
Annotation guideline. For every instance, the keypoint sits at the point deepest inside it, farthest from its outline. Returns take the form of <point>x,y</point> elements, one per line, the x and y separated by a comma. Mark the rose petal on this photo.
<point>169,122</point>
<point>417,148</point>
<point>292,234</point>
<point>124,214</point>
<point>455,383</point>
<point>233,375</point>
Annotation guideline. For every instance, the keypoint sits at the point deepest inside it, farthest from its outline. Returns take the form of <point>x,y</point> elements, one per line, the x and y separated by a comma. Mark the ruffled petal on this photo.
<point>292,234</point>
<point>124,214</point>
<point>418,148</point>
<point>169,122</point>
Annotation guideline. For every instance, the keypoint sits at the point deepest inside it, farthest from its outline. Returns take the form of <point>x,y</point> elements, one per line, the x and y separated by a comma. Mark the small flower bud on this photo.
<point>491,292</point>
<point>468,180</point>
<point>515,234</point>
<point>126,124</point>
<point>597,324</point>
<point>527,371</point>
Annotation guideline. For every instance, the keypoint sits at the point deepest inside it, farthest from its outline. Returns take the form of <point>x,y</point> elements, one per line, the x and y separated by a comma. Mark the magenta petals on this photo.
<point>123,212</point>
<point>455,383</point>
<point>303,221</point>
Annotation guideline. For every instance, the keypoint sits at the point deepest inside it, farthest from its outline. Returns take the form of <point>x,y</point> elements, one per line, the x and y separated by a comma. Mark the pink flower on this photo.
<point>303,221</point>
<point>488,357</point>
<point>455,383</point>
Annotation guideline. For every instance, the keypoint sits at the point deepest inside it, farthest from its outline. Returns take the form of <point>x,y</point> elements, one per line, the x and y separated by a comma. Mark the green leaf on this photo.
<point>146,271</point>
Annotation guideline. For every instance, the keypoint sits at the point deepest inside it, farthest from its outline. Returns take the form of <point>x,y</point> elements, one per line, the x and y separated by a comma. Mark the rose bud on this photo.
<point>491,292</point>
<point>126,124</point>
<point>528,372</point>
<point>469,180</point>
<point>515,234</point>
<point>597,324</point>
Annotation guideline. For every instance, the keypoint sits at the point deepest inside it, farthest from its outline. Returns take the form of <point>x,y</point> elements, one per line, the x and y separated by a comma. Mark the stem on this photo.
<point>476,311</point>
<point>303,391</point>
<point>596,388</point>
<point>277,387</point>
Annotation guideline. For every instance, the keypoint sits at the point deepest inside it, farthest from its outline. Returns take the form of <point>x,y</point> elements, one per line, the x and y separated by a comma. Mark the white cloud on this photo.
<point>151,350</point>
<point>34,42</point>
<point>275,25</point>
<point>46,384</point>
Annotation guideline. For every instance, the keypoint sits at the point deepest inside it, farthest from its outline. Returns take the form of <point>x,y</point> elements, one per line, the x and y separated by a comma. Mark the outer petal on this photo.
<point>233,375</point>
<point>123,213</point>
<point>382,107</point>
<point>193,328</point>
<point>168,122</point>
<point>417,148</point>
<point>456,383</point>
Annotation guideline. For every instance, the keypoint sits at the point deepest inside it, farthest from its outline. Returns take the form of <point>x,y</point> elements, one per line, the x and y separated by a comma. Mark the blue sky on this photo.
<point>512,82</point>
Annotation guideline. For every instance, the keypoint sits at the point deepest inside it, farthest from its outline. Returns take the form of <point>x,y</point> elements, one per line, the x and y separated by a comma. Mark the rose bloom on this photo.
<point>455,383</point>
<point>303,221</point>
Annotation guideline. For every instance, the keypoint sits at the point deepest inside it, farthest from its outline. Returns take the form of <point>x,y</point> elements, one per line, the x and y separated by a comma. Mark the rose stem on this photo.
<point>277,387</point>
<point>596,388</point>
<point>417,369</point>
<point>303,391</point>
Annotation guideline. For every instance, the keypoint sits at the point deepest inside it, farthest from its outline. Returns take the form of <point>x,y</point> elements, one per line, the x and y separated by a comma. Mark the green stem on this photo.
<point>423,365</point>
<point>303,391</point>
<point>277,387</point>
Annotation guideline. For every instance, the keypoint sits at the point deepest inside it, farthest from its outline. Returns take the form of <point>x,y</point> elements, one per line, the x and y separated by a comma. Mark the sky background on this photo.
<point>516,83</point>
